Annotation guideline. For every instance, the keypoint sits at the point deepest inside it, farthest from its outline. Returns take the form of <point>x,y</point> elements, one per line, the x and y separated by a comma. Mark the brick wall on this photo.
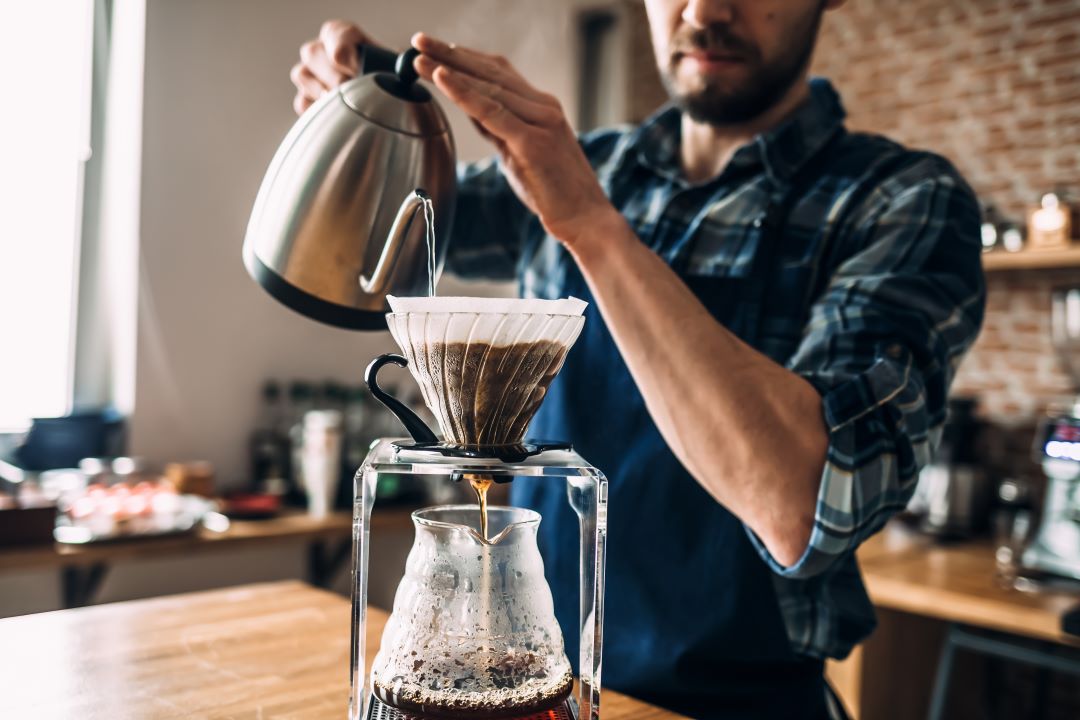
<point>994,85</point>
<point>1013,367</point>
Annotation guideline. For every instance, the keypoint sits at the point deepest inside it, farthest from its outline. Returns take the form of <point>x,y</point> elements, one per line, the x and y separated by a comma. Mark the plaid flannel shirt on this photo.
<point>876,292</point>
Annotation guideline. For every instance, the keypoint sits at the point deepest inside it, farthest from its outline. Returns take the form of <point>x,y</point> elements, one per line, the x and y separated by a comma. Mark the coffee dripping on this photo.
<point>473,631</point>
<point>486,393</point>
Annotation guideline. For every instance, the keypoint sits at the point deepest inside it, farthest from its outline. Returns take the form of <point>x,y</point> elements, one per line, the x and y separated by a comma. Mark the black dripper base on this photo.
<point>515,453</point>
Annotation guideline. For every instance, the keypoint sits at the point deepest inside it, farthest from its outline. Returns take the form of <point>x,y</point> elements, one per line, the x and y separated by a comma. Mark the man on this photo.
<point>777,309</point>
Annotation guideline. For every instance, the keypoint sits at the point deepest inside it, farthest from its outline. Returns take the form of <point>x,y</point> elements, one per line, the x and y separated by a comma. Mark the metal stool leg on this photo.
<point>944,674</point>
<point>79,585</point>
<point>1042,655</point>
<point>834,705</point>
<point>1042,686</point>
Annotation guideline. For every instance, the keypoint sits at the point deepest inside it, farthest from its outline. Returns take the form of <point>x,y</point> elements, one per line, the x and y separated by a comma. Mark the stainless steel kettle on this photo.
<point>335,225</point>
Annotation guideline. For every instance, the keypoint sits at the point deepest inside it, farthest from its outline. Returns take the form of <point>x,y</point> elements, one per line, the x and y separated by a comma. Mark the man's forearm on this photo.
<point>748,430</point>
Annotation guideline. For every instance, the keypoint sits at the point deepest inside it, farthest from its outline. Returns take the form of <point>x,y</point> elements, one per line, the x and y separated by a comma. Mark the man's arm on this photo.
<point>852,428</point>
<point>719,404</point>
<point>882,347</point>
<point>815,457</point>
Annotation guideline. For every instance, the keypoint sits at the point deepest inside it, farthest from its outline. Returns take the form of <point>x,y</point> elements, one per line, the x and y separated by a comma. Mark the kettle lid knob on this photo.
<point>401,83</point>
<point>404,68</point>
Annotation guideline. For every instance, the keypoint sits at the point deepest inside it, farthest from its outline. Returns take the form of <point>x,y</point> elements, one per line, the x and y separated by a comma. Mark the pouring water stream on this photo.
<point>479,483</point>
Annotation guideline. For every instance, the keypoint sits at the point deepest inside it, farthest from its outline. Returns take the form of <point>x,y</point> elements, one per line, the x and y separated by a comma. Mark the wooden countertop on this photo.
<point>275,650</point>
<point>287,527</point>
<point>957,583</point>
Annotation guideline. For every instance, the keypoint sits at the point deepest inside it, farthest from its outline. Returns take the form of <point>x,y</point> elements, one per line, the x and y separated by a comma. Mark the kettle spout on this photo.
<point>379,280</point>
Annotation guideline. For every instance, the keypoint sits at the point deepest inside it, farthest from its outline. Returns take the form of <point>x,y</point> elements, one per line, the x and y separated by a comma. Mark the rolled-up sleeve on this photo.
<point>882,346</point>
<point>490,225</point>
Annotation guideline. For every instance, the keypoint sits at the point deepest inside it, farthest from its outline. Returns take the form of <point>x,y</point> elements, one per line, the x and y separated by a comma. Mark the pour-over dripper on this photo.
<point>483,364</point>
<point>473,630</point>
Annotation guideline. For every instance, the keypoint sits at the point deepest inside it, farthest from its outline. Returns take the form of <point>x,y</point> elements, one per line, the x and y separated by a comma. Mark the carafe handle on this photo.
<point>379,280</point>
<point>420,432</point>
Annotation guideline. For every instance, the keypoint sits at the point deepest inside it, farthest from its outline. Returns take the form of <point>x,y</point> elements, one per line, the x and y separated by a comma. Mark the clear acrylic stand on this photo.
<point>586,489</point>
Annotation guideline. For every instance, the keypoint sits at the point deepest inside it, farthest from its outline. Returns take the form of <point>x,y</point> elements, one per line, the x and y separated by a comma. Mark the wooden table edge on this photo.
<point>281,596</point>
<point>946,604</point>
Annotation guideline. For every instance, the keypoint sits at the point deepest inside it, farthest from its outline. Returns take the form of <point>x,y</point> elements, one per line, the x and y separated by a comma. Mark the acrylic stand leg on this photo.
<point>588,498</point>
<point>363,500</point>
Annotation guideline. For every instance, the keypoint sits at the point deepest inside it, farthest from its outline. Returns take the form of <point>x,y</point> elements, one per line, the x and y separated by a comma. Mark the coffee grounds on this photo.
<point>486,394</point>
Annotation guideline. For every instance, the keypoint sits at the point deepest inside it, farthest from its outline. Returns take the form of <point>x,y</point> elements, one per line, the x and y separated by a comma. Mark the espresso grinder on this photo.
<point>473,632</point>
<point>1056,547</point>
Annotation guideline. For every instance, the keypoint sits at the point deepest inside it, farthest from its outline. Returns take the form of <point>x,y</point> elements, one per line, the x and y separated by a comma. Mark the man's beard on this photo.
<point>720,103</point>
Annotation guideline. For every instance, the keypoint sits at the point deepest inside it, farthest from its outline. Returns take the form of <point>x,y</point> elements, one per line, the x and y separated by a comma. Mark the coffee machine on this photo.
<point>1056,547</point>
<point>473,632</point>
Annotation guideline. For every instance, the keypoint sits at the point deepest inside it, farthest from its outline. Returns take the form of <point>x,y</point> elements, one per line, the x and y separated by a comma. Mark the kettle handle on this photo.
<point>375,59</point>
<point>377,282</point>
<point>420,432</point>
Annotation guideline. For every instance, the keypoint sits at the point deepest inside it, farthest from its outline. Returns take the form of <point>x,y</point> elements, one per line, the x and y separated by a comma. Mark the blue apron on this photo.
<point>691,619</point>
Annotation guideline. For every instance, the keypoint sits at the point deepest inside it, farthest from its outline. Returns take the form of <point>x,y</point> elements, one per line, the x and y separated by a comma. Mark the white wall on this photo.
<point>217,102</point>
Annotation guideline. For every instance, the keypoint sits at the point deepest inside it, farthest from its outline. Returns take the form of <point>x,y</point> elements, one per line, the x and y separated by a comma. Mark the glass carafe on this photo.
<point>473,631</point>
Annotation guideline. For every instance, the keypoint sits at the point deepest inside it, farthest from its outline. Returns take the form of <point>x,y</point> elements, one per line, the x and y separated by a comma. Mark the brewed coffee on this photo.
<point>435,705</point>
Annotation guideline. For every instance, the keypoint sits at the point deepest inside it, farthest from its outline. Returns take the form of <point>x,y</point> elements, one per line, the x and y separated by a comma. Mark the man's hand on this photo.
<point>540,153</point>
<point>326,62</point>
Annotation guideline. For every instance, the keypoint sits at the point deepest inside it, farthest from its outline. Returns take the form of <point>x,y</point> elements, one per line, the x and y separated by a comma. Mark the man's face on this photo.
<point>726,62</point>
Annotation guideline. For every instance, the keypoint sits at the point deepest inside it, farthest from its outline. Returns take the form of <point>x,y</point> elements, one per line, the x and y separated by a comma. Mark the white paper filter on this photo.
<point>439,304</point>
<point>484,364</point>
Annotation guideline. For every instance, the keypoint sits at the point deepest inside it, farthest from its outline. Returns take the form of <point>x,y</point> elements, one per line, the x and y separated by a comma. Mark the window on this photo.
<point>601,79</point>
<point>44,144</point>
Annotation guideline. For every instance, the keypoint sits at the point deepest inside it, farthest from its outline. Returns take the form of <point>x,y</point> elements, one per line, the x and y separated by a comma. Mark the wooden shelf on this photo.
<point>290,526</point>
<point>1000,260</point>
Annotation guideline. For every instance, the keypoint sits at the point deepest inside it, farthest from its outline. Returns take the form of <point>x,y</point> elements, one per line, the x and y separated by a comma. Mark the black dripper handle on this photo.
<point>420,432</point>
